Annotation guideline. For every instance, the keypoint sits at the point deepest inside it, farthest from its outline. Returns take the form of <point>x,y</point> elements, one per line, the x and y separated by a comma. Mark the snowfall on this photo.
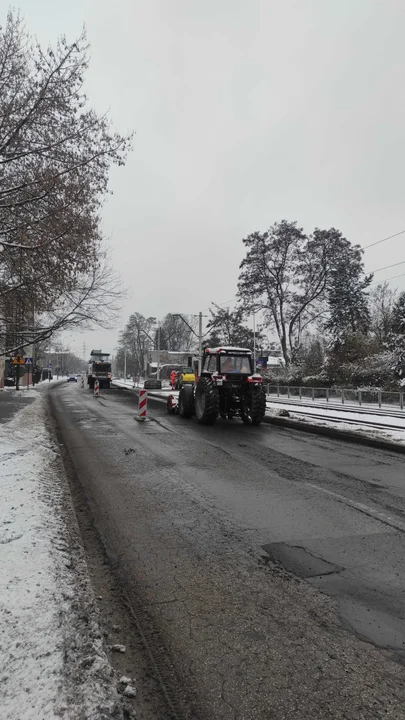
<point>52,661</point>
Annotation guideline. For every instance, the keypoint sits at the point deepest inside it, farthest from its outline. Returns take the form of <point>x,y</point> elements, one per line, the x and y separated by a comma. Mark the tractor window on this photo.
<point>211,363</point>
<point>236,364</point>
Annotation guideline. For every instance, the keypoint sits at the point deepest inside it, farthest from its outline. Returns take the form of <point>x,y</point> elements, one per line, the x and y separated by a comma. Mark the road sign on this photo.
<point>18,360</point>
<point>49,365</point>
<point>28,361</point>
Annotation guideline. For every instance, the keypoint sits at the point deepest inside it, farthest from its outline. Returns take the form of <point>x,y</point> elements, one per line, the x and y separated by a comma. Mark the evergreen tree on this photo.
<point>347,294</point>
<point>398,316</point>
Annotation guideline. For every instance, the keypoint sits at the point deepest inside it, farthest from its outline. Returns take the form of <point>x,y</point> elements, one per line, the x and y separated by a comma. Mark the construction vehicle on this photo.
<point>99,369</point>
<point>184,375</point>
<point>227,387</point>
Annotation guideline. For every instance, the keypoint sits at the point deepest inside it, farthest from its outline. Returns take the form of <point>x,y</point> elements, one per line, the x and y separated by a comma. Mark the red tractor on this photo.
<point>227,386</point>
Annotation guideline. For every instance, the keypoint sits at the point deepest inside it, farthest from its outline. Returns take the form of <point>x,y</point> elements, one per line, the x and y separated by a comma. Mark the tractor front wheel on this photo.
<point>186,401</point>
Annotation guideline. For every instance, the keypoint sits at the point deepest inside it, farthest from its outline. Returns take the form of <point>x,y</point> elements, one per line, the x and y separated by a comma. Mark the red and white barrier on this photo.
<point>82,381</point>
<point>142,404</point>
<point>96,391</point>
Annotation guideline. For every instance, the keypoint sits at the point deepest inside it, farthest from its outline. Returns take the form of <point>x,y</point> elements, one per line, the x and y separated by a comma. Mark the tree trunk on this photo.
<point>284,348</point>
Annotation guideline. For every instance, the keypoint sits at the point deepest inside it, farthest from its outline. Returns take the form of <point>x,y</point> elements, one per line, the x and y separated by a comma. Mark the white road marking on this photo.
<point>366,509</point>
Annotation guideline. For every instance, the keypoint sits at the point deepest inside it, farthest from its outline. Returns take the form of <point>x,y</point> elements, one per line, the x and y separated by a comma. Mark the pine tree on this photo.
<point>347,294</point>
<point>398,316</point>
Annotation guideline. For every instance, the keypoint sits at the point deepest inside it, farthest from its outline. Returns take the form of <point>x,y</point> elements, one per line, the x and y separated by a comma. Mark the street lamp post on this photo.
<point>158,353</point>
<point>254,340</point>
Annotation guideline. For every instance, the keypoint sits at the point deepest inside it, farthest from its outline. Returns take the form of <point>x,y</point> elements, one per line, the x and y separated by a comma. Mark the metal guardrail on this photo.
<point>342,395</point>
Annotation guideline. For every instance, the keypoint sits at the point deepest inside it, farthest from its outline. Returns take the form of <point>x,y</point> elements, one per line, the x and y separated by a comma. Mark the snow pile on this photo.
<point>52,662</point>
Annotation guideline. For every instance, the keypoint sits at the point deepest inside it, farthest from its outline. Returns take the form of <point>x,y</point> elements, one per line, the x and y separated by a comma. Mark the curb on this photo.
<point>344,435</point>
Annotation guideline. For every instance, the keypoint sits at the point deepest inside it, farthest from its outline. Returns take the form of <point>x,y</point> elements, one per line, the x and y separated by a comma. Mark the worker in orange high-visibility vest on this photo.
<point>173,378</point>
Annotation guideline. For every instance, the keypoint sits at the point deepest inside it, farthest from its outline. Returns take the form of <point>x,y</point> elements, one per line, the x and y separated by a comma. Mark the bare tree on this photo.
<point>94,299</point>
<point>298,280</point>
<point>227,327</point>
<point>178,332</point>
<point>136,340</point>
<point>55,156</point>
<point>285,274</point>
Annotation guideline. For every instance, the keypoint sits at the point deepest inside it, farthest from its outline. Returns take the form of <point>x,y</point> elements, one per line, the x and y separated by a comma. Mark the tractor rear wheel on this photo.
<point>186,401</point>
<point>254,405</point>
<point>206,401</point>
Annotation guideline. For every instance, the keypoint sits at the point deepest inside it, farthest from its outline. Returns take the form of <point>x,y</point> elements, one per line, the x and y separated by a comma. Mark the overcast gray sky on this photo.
<point>245,112</point>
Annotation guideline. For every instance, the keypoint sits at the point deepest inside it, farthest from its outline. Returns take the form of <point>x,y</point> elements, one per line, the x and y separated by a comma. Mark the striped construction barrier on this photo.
<point>82,381</point>
<point>96,390</point>
<point>142,404</point>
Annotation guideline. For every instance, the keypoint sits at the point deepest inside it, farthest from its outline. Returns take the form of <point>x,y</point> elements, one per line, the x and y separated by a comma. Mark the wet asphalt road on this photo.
<point>226,533</point>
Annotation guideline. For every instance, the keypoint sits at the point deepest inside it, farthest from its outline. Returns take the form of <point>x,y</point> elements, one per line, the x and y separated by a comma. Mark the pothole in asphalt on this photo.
<point>298,561</point>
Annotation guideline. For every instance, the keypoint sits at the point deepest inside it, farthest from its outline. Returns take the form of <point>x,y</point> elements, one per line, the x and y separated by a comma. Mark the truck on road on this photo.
<point>99,369</point>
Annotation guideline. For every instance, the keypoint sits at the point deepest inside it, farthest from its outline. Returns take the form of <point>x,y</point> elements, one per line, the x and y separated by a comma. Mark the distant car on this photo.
<point>152,384</point>
<point>72,378</point>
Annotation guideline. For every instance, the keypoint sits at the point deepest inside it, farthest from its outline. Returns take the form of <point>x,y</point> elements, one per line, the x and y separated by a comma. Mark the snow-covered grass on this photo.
<point>52,663</point>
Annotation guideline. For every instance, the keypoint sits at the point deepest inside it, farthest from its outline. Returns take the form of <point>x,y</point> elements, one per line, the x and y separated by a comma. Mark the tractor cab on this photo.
<point>229,364</point>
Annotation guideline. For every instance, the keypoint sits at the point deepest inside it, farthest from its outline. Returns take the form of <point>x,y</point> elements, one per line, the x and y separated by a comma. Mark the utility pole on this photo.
<point>254,341</point>
<point>125,363</point>
<point>158,353</point>
<point>200,338</point>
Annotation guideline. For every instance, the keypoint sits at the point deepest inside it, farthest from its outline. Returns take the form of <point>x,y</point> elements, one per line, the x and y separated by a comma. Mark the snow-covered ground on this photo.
<point>52,662</point>
<point>382,427</point>
<point>334,402</point>
<point>361,418</point>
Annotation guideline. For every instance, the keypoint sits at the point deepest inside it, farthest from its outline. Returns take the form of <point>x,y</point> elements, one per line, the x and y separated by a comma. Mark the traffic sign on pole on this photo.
<point>28,361</point>
<point>18,360</point>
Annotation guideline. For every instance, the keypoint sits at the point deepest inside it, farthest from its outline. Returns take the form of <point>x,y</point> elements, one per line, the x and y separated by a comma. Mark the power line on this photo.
<point>384,239</point>
<point>386,267</point>
<point>222,304</point>
<point>387,279</point>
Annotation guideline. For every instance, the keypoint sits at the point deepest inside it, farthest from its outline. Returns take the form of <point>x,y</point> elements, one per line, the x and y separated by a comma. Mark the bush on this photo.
<point>375,371</point>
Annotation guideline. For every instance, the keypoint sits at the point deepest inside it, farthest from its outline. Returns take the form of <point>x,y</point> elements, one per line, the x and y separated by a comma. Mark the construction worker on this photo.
<point>173,379</point>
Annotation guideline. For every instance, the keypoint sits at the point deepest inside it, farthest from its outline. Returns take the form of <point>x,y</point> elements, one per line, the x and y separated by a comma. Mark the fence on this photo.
<point>338,395</point>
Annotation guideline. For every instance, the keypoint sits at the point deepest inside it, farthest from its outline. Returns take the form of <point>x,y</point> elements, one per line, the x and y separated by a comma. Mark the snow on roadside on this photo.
<point>336,420</point>
<point>52,662</point>
<point>394,436</point>
<point>358,417</point>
